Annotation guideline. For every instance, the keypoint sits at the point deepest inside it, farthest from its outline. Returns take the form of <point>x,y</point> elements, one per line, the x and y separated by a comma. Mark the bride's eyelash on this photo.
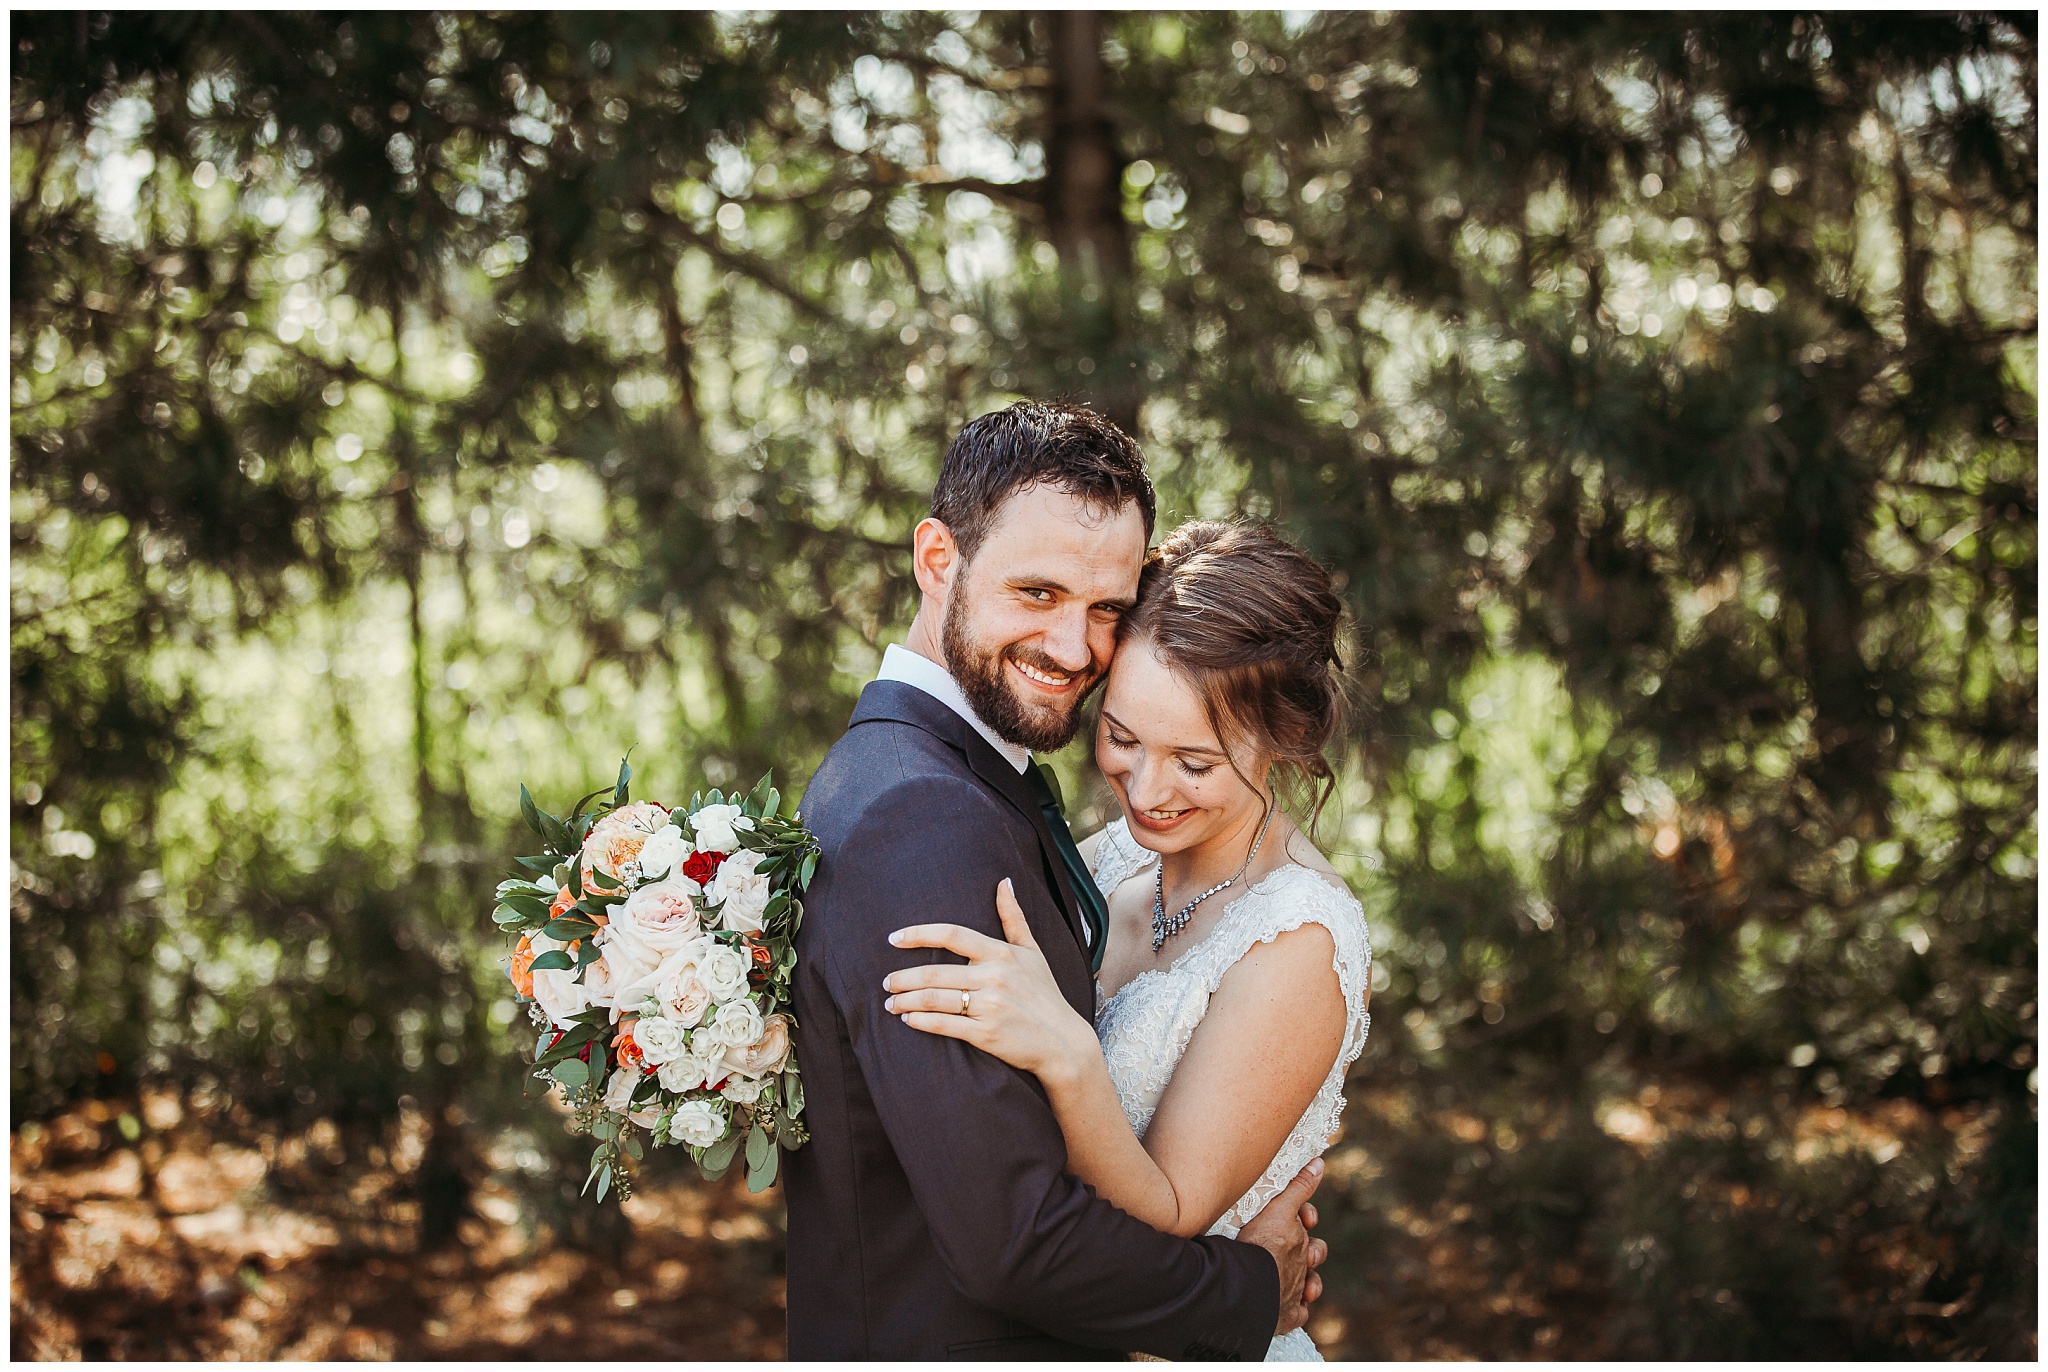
<point>1116,742</point>
<point>1192,770</point>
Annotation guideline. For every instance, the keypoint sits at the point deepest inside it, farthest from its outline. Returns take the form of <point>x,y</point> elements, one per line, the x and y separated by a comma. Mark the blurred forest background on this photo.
<point>408,405</point>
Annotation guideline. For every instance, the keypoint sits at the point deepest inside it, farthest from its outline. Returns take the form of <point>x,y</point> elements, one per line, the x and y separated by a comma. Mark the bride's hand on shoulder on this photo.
<point>1004,1001</point>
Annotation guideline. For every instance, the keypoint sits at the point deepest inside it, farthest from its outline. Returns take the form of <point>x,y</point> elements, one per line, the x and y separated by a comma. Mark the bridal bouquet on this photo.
<point>654,949</point>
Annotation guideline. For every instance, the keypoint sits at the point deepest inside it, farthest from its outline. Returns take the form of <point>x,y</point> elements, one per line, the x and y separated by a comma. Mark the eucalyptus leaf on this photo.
<point>762,1176</point>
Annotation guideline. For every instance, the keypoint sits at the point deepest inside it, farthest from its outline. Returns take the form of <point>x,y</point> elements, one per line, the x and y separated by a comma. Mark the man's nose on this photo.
<point>1066,642</point>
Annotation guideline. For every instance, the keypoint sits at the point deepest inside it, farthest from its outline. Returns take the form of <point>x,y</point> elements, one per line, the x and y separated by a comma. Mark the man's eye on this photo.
<point>1038,593</point>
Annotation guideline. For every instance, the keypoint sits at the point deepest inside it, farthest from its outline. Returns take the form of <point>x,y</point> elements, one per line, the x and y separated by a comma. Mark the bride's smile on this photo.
<point>1184,794</point>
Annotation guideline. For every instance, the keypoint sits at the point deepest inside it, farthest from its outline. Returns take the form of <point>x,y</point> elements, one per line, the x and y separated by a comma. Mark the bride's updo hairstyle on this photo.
<point>1250,621</point>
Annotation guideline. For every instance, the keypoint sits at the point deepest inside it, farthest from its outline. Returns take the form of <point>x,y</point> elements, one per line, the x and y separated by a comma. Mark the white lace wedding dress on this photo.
<point>1146,1025</point>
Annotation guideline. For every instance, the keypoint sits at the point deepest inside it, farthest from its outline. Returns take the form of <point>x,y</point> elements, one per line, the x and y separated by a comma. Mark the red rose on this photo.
<point>701,867</point>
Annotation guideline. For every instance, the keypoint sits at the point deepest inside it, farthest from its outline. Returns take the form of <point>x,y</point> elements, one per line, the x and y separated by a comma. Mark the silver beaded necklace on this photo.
<point>1164,928</point>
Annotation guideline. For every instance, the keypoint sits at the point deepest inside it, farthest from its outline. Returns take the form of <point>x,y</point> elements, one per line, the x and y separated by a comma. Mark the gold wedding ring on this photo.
<point>965,999</point>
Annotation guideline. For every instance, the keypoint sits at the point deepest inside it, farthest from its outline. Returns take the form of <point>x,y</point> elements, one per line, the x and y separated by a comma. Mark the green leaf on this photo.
<point>545,863</point>
<point>567,927</point>
<point>604,881</point>
<point>630,1141</point>
<point>793,1093</point>
<point>554,960</point>
<point>803,875</point>
<point>526,903</point>
<point>759,1146</point>
<point>621,792</point>
<point>604,1182</point>
<point>762,1176</point>
<point>529,811</point>
<point>606,1128</point>
<point>720,1155</point>
<point>556,834</point>
<point>588,952</point>
<point>573,1074</point>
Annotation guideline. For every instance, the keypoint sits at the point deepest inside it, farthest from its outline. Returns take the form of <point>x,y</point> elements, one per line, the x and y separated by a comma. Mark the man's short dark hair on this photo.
<point>1037,443</point>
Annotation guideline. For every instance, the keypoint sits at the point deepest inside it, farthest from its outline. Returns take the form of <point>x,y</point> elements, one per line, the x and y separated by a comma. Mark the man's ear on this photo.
<point>934,558</point>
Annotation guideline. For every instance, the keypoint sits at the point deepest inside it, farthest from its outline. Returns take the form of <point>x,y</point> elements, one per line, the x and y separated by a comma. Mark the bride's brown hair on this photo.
<point>1250,621</point>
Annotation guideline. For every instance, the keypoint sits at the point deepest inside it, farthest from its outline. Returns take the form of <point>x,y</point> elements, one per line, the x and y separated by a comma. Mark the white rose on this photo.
<point>739,1023</point>
<point>618,1092</point>
<point>714,825</point>
<point>660,854</point>
<point>660,1040</point>
<point>742,1090</point>
<point>658,918</point>
<point>741,892</point>
<point>766,1055</point>
<point>681,1074</point>
<point>560,996</point>
<point>698,1123</point>
<point>724,971</point>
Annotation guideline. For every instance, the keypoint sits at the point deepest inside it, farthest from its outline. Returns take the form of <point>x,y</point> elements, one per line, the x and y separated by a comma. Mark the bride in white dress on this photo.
<point>1234,981</point>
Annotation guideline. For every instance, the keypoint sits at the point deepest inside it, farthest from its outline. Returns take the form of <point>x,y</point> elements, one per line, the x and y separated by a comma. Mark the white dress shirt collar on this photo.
<point>915,669</point>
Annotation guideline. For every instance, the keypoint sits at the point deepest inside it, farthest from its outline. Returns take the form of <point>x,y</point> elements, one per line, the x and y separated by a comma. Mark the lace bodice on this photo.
<point>1146,1026</point>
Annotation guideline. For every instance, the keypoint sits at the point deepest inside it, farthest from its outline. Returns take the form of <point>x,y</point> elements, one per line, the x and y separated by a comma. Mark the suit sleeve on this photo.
<point>977,1138</point>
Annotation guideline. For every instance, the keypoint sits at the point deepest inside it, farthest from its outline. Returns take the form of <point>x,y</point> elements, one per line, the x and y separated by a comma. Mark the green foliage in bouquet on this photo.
<point>567,902</point>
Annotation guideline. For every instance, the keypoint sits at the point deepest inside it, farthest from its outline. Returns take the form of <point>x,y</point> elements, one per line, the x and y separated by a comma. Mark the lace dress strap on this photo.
<point>1119,857</point>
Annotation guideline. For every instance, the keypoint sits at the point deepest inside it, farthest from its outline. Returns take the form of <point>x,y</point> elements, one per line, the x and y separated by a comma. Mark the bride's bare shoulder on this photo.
<point>1303,853</point>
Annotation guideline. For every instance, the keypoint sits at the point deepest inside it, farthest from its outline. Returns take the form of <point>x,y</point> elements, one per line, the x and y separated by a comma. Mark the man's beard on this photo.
<point>979,670</point>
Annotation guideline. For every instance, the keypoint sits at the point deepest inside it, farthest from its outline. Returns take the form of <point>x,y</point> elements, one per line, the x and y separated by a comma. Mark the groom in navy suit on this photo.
<point>931,1215</point>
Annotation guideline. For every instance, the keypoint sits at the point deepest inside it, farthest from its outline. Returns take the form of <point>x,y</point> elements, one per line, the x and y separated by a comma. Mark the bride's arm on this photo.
<point>1266,1043</point>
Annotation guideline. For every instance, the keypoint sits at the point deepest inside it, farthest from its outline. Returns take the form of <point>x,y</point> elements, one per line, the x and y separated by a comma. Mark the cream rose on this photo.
<point>618,1092</point>
<point>660,854</point>
<point>741,892</point>
<point>724,971</point>
<point>618,838</point>
<point>739,1023</point>
<point>681,990</point>
<point>698,1123</point>
<point>661,1040</point>
<point>560,996</point>
<point>660,918</point>
<point>628,965</point>
<point>767,1054</point>
<point>714,826</point>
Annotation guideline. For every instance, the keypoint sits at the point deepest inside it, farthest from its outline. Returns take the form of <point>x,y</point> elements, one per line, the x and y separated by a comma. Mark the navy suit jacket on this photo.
<point>931,1215</point>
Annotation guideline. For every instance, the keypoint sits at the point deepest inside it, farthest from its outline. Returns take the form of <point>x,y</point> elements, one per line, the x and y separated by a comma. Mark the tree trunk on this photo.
<point>1084,216</point>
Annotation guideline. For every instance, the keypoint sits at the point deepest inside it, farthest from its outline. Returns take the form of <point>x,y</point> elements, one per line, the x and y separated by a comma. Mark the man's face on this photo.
<point>1031,620</point>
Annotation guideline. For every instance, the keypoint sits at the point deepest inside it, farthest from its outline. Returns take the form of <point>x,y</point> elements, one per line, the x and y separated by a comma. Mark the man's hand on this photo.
<point>1282,1230</point>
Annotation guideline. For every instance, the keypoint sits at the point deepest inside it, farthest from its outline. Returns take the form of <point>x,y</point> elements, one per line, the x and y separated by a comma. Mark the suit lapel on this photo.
<point>906,704</point>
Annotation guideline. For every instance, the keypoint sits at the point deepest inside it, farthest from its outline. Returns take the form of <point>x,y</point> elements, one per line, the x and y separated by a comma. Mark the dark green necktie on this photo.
<point>1094,909</point>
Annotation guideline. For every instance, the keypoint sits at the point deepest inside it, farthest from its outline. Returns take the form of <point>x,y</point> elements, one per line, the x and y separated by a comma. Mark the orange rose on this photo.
<point>564,903</point>
<point>522,966</point>
<point>628,1051</point>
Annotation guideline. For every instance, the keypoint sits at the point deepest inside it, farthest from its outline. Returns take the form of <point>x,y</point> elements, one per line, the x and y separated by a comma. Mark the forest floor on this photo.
<point>177,1227</point>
